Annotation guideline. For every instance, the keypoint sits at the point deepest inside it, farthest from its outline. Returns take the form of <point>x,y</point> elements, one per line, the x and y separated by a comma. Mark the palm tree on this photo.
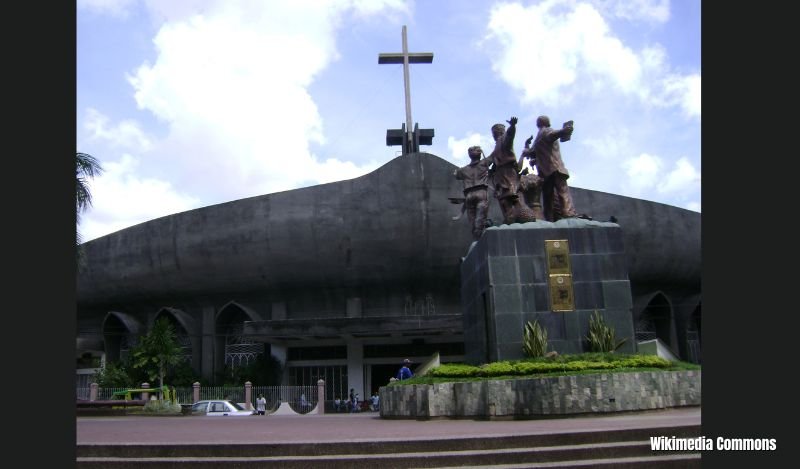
<point>158,350</point>
<point>86,166</point>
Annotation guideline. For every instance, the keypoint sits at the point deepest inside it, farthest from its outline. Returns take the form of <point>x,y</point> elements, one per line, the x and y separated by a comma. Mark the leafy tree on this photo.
<point>114,375</point>
<point>158,350</point>
<point>86,166</point>
<point>182,374</point>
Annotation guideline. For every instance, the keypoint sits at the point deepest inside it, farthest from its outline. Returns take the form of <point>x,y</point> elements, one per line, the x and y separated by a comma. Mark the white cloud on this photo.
<point>695,206</point>
<point>161,11</point>
<point>553,51</point>
<point>684,92</point>
<point>544,49</point>
<point>647,10</point>
<point>120,199</point>
<point>642,171</point>
<point>365,8</point>
<point>115,8</point>
<point>174,11</point>
<point>607,146</point>
<point>648,173</point>
<point>232,85</point>
<point>128,134</point>
<point>683,177</point>
<point>458,147</point>
<point>333,169</point>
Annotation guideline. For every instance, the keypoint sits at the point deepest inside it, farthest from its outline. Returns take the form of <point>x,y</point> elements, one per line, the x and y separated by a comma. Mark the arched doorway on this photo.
<point>655,321</point>
<point>182,334</point>
<point>120,334</point>
<point>233,350</point>
<point>237,348</point>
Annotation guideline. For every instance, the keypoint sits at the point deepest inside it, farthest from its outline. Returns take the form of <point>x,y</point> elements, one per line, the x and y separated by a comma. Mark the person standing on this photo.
<point>530,184</point>
<point>505,176</point>
<point>261,405</point>
<point>353,400</point>
<point>405,372</point>
<point>556,198</point>
<point>476,200</point>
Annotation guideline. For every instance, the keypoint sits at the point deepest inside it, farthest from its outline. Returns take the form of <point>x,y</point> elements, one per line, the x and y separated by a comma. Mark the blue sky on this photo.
<point>199,102</point>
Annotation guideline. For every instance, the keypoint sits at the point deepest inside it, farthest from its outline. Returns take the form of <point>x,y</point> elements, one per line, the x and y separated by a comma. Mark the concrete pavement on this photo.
<point>351,428</point>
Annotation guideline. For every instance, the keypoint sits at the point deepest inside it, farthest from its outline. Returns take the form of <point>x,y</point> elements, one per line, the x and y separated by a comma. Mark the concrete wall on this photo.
<point>543,397</point>
<point>391,225</point>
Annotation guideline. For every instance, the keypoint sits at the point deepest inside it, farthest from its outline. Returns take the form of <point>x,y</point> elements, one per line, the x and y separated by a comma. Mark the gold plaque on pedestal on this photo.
<point>561,294</point>
<point>557,251</point>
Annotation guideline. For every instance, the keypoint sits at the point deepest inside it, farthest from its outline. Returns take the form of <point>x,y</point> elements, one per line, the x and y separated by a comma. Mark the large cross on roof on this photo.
<point>410,140</point>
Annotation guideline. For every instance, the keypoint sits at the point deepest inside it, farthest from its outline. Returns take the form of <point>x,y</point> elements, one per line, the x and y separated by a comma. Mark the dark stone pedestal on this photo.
<point>505,283</point>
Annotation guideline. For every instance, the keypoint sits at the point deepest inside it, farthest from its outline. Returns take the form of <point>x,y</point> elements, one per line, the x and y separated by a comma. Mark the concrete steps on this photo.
<point>629,448</point>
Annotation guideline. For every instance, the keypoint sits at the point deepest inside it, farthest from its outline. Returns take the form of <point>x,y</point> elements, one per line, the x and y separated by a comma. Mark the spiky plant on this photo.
<point>534,340</point>
<point>602,337</point>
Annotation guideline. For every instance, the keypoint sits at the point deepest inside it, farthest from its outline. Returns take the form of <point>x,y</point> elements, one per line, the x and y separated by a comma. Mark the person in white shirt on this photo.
<point>261,405</point>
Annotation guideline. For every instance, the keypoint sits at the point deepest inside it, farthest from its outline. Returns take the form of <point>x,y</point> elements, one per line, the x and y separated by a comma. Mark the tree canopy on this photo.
<point>157,350</point>
<point>86,166</point>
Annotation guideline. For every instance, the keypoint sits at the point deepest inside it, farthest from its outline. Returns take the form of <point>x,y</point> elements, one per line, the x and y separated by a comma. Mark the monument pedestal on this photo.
<point>557,273</point>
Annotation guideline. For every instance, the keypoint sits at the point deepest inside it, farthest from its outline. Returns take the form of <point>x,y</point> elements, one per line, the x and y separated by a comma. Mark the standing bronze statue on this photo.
<point>556,198</point>
<point>530,184</point>
<point>476,199</point>
<point>505,175</point>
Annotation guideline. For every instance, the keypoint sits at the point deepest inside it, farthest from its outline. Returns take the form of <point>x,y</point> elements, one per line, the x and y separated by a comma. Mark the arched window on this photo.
<point>240,350</point>
<point>181,333</point>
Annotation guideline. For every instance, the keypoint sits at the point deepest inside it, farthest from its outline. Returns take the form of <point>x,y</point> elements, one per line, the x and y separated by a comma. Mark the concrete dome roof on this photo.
<point>391,225</point>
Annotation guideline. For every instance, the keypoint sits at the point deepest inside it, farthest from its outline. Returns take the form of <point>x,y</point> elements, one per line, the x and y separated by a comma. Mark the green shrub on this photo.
<point>497,369</point>
<point>161,407</point>
<point>592,362</point>
<point>113,375</point>
<point>583,365</point>
<point>534,341</point>
<point>645,361</point>
<point>530,368</point>
<point>583,362</point>
<point>455,370</point>
<point>601,337</point>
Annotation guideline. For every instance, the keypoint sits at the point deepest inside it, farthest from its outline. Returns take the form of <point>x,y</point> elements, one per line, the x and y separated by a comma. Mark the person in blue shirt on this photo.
<point>353,401</point>
<point>405,372</point>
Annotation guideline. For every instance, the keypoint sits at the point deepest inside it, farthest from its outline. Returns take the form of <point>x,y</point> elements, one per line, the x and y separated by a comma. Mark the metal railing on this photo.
<point>301,399</point>
<point>82,393</point>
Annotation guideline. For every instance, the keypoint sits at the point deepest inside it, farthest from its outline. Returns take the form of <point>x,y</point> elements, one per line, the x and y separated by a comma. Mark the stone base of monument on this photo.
<point>557,273</point>
<point>544,397</point>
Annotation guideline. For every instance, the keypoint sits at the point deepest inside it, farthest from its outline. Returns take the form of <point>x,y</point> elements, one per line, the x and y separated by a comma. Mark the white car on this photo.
<point>220,408</point>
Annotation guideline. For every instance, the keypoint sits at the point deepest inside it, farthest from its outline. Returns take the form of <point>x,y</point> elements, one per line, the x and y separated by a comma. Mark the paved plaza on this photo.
<point>351,428</point>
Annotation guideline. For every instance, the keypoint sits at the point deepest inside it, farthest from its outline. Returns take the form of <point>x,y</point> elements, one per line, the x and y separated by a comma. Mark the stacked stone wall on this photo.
<point>544,397</point>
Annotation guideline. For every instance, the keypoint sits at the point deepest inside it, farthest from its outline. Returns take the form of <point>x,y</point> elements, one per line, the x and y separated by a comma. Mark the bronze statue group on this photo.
<point>523,196</point>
